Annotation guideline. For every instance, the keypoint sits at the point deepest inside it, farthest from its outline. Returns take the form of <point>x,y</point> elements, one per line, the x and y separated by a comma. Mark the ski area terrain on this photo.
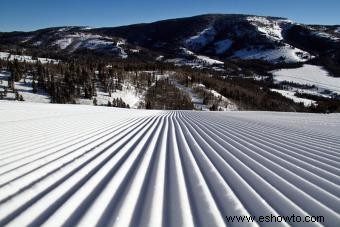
<point>210,62</point>
<point>76,165</point>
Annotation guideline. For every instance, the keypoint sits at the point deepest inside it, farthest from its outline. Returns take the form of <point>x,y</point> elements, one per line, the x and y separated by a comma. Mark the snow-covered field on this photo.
<point>24,87</point>
<point>224,104</point>
<point>83,165</point>
<point>128,94</point>
<point>310,75</point>
<point>286,52</point>
<point>291,95</point>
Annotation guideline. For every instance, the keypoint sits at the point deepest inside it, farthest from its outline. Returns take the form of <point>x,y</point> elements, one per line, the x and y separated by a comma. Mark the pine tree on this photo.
<point>95,102</point>
<point>34,87</point>
<point>148,105</point>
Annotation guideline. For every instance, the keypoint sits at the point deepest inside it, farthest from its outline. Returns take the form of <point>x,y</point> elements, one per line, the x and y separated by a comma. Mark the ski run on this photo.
<point>75,165</point>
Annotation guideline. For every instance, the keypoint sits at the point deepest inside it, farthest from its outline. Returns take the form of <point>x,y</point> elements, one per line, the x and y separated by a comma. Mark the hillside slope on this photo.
<point>217,36</point>
<point>77,165</point>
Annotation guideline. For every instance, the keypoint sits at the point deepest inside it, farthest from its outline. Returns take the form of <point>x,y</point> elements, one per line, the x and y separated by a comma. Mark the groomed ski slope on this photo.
<point>98,166</point>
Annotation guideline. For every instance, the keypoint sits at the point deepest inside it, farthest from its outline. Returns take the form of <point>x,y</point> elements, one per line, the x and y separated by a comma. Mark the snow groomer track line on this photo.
<point>98,166</point>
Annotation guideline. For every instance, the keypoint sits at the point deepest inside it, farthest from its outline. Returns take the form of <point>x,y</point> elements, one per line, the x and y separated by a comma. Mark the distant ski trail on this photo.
<point>67,165</point>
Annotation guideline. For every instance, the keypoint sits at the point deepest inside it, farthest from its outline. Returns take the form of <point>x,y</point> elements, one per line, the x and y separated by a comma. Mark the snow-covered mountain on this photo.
<point>216,36</point>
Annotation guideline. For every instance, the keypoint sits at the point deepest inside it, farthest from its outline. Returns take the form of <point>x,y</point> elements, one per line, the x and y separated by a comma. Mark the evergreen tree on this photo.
<point>34,87</point>
<point>95,102</point>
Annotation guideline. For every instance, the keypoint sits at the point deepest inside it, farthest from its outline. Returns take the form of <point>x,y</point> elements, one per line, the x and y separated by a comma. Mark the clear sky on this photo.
<point>27,15</point>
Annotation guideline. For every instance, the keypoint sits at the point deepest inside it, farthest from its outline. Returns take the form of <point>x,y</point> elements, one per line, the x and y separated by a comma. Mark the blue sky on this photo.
<point>22,15</point>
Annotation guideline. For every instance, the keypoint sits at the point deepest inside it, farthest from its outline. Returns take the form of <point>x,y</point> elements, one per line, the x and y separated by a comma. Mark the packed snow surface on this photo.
<point>310,75</point>
<point>68,165</point>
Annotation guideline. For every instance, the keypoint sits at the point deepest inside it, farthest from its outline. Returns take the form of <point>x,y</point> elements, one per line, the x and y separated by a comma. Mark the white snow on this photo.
<point>273,29</point>
<point>86,28</point>
<point>82,39</point>
<point>201,40</point>
<point>209,61</point>
<point>326,35</point>
<point>92,42</point>
<point>186,51</point>
<point>310,75</point>
<point>223,45</point>
<point>27,39</point>
<point>199,61</point>
<point>25,89</point>
<point>4,55</point>
<point>64,43</point>
<point>230,105</point>
<point>200,58</point>
<point>37,43</point>
<point>25,58</point>
<point>291,95</point>
<point>285,53</point>
<point>97,44</point>
<point>128,94</point>
<point>69,165</point>
<point>270,28</point>
<point>160,58</point>
<point>197,100</point>
<point>64,29</point>
<point>122,52</point>
<point>48,60</point>
<point>135,50</point>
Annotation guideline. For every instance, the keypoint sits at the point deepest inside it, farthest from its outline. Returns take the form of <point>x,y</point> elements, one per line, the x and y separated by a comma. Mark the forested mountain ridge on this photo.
<point>208,62</point>
<point>217,36</point>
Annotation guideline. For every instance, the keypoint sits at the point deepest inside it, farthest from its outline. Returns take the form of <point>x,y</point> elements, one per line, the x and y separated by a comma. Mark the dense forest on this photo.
<point>80,78</point>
